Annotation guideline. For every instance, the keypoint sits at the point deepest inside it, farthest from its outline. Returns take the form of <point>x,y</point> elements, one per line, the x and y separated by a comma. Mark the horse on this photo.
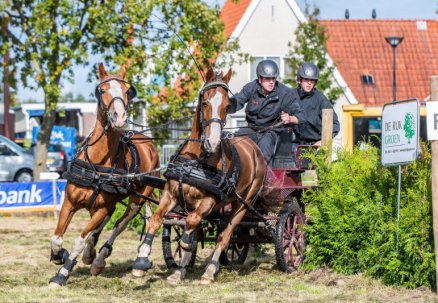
<point>206,144</point>
<point>97,178</point>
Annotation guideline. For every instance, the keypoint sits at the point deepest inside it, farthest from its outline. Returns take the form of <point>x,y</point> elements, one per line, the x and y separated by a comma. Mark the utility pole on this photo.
<point>434,144</point>
<point>6,91</point>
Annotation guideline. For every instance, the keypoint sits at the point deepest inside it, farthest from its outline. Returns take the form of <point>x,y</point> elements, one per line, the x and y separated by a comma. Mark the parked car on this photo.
<point>15,163</point>
<point>56,159</point>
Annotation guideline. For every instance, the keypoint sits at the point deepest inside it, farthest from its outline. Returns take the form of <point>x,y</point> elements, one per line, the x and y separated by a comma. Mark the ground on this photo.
<point>25,271</point>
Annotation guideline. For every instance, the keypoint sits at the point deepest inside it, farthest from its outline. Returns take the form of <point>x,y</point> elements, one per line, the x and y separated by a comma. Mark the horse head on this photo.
<point>213,108</point>
<point>113,94</point>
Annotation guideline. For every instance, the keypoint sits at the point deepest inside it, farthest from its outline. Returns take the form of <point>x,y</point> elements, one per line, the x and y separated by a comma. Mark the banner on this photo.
<point>31,196</point>
<point>61,135</point>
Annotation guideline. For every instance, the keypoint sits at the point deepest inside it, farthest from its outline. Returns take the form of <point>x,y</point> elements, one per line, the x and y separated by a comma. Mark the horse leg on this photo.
<point>59,255</point>
<point>193,220</point>
<point>105,251</point>
<point>60,279</point>
<point>213,265</point>
<point>142,263</point>
<point>89,253</point>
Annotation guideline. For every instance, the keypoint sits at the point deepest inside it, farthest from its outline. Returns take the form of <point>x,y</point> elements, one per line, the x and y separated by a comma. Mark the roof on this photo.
<point>358,47</point>
<point>231,13</point>
<point>236,15</point>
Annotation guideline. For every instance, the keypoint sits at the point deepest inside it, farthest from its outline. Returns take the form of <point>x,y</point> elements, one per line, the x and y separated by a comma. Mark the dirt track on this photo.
<point>25,271</point>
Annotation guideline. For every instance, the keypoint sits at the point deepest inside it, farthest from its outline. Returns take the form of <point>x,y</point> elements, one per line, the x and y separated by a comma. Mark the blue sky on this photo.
<point>330,9</point>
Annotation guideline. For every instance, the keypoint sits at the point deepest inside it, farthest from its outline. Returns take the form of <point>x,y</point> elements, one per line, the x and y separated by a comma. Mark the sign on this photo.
<point>432,120</point>
<point>30,196</point>
<point>49,176</point>
<point>400,132</point>
<point>61,135</point>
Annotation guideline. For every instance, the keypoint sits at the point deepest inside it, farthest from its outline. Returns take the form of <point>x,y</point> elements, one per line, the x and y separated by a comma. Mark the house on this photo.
<point>264,29</point>
<point>365,60</point>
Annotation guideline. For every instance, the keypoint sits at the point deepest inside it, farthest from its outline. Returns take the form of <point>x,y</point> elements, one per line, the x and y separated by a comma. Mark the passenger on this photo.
<point>312,102</point>
<point>269,102</point>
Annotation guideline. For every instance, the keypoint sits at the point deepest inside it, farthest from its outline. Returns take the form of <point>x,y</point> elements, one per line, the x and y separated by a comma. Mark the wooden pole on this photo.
<point>327,131</point>
<point>434,97</point>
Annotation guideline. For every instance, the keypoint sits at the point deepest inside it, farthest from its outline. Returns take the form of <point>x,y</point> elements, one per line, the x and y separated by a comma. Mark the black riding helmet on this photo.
<point>267,69</point>
<point>307,70</point>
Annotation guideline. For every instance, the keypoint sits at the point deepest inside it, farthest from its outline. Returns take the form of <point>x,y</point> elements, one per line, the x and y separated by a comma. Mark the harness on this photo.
<point>111,180</point>
<point>200,174</point>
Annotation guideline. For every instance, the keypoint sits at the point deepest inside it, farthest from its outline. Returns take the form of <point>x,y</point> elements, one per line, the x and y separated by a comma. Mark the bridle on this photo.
<point>131,93</point>
<point>204,123</point>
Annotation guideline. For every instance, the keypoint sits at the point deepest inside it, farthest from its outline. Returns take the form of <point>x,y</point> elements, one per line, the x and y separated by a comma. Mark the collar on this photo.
<point>304,94</point>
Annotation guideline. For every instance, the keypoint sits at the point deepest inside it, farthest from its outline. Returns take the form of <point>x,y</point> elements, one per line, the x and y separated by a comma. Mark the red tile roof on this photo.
<point>359,47</point>
<point>231,14</point>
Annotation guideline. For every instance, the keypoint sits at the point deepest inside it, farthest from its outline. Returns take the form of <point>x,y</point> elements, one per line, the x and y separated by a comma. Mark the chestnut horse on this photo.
<point>97,178</point>
<point>205,143</point>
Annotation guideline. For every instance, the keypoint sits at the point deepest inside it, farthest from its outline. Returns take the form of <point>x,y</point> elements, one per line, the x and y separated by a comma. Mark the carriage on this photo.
<point>279,217</point>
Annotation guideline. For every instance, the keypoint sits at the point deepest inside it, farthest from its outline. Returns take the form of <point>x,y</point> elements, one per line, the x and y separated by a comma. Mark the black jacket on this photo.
<point>309,131</point>
<point>265,110</point>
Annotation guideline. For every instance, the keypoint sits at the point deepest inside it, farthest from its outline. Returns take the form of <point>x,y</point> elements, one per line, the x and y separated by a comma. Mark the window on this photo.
<point>4,150</point>
<point>255,60</point>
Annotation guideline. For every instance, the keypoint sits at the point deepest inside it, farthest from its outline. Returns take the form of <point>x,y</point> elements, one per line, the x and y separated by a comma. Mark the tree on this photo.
<point>48,38</point>
<point>310,46</point>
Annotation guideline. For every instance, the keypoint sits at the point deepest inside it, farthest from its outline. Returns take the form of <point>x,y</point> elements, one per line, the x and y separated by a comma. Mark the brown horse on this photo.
<point>97,177</point>
<point>205,143</point>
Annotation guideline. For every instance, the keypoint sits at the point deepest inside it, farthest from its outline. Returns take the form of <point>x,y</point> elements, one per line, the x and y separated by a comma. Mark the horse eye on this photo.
<point>102,91</point>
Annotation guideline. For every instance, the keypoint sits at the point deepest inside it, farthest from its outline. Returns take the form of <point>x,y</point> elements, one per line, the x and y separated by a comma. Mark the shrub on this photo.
<point>354,214</point>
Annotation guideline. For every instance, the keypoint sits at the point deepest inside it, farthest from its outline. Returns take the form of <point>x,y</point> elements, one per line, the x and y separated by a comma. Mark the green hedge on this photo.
<point>354,215</point>
<point>136,224</point>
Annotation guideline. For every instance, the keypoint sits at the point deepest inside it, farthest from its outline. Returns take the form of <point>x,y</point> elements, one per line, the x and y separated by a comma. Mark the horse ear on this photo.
<point>123,71</point>
<point>227,77</point>
<point>210,75</point>
<point>102,72</point>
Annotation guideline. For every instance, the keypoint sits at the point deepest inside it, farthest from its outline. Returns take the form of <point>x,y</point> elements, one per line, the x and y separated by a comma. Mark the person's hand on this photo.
<point>286,118</point>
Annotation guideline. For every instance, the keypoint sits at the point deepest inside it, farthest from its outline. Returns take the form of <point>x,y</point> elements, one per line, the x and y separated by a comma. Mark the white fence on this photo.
<point>167,150</point>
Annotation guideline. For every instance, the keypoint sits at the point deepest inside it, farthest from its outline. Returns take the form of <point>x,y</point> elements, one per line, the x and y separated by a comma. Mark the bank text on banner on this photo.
<point>32,196</point>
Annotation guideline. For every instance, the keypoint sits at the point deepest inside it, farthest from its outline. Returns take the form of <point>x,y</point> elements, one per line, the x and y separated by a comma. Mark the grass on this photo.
<point>25,271</point>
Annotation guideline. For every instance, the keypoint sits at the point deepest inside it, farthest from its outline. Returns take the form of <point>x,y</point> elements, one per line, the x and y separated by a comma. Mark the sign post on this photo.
<point>400,138</point>
<point>52,176</point>
<point>432,134</point>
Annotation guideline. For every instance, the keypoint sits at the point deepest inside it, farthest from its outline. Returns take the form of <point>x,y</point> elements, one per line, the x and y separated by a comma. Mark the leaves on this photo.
<point>355,219</point>
<point>310,46</point>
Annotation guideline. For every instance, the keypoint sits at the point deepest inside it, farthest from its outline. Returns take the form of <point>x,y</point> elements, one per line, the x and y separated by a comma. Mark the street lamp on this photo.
<point>394,42</point>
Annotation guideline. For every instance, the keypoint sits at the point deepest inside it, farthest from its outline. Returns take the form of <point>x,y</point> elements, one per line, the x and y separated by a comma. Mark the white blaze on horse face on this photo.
<point>119,107</point>
<point>215,127</point>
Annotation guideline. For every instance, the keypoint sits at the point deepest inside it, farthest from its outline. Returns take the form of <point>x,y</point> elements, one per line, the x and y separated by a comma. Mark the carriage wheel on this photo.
<point>172,251</point>
<point>289,238</point>
<point>236,253</point>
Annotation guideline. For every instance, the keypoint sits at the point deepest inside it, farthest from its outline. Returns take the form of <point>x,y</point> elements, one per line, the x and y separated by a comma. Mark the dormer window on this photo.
<point>367,79</point>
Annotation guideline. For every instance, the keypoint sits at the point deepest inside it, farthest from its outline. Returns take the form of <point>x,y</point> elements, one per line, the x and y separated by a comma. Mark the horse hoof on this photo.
<point>174,279</point>
<point>96,270</point>
<point>87,260</point>
<point>60,258</point>
<point>206,281</point>
<point>142,263</point>
<point>138,273</point>
<point>54,285</point>
<point>58,279</point>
